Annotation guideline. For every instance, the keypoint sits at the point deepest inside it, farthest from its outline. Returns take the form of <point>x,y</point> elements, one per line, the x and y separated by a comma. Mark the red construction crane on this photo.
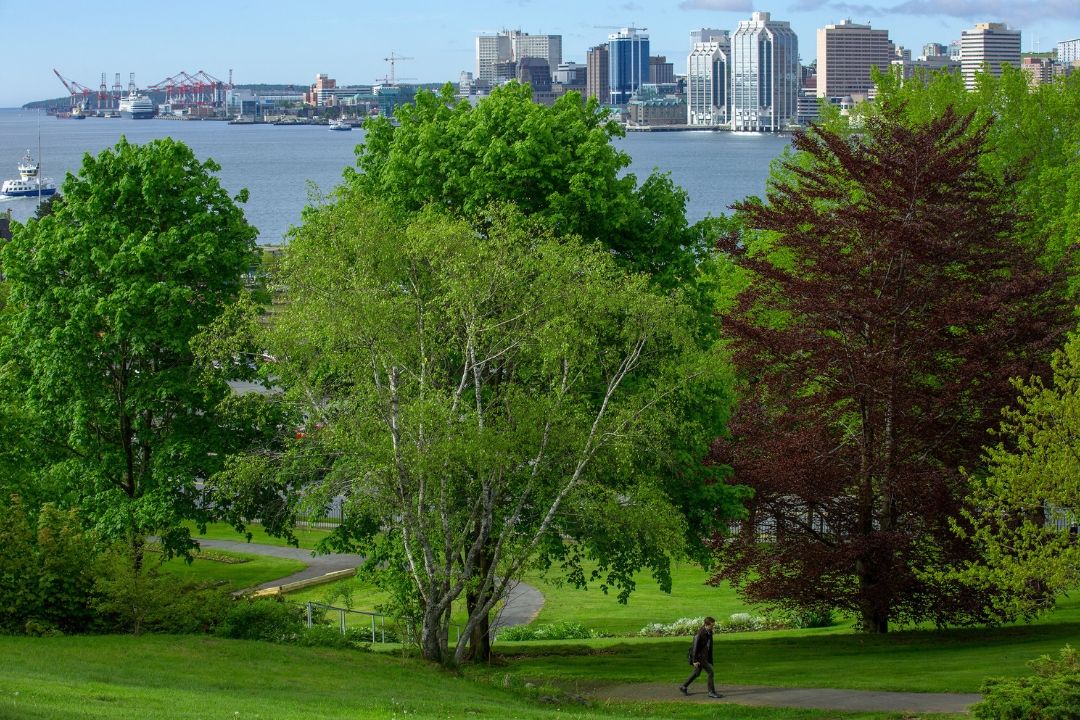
<point>75,89</point>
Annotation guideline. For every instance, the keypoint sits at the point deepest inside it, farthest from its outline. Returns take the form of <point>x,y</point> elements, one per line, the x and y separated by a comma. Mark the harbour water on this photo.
<point>284,168</point>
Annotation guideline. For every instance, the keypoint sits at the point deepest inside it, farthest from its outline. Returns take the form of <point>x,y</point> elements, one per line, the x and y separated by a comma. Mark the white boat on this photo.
<point>340,125</point>
<point>29,183</point>
<point>137,106</point>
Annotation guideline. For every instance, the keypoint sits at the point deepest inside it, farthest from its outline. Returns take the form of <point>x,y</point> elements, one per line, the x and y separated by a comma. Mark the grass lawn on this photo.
<point>690,597</point>
<point>174,678</point>
<point>914,660</point>
<point>253,571</point>
<point>222,531</point>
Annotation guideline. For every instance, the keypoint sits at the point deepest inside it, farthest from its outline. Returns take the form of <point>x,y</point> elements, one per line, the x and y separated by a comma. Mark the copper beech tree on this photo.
<point>889,305</point>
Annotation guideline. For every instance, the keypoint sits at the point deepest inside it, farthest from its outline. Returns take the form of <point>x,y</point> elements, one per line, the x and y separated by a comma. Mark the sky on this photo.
<point>274,41</point>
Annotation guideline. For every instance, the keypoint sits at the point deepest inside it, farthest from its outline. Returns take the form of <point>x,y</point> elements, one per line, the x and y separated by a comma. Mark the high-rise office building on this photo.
<point>934,50</point>
<point>845,55</point>
<point>491,50</point>
<point>628,64</point>
<point>705,35</point>
<point>660,70</point>
<point>510,46</point>
<point>708,84</point>
<point>1068,52</point>
<point>596,74</point>
<point>548,47</point>
<point>764,74</point>
<point>988,46</point>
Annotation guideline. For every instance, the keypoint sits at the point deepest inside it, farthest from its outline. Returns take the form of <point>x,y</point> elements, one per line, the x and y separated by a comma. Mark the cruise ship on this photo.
<point>137,107</point>
<point>29,183</point>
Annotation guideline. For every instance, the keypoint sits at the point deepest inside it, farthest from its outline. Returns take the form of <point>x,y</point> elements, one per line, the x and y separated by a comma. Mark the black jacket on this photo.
<point>701,649</point>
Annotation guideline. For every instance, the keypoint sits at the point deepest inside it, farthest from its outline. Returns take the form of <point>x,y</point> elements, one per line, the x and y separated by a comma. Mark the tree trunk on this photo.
<point>480,638</point>
<point>432,637</point>
<point>873,610</point>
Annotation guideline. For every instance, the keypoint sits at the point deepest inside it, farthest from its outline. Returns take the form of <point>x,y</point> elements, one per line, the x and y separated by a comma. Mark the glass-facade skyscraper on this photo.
<point>765,75</point>
<point>708,84</point>
<point>628,64</point>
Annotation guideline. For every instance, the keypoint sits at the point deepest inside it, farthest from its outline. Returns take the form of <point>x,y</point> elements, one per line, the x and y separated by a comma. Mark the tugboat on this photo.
<point>29,183</point>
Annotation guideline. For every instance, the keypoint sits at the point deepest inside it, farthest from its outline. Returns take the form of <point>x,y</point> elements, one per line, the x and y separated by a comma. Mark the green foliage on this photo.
<point>556,163</point>
<point>1053,693</point>
<point>521,382</point>
<point>555,631</point>
<point>277,621</point>
<point>46,566</point>
<point>138,598</point>
<point>808,618</point>
<point>107,293</point>
<point>1033,142</point>
<point>1032,476</point>
<point>265,619</point>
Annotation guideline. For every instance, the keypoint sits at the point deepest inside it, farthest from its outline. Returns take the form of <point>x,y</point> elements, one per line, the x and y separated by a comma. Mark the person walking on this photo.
<point>700,657</point>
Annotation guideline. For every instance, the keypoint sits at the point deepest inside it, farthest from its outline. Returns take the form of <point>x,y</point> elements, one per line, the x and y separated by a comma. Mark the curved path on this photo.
<point>523,602</point>
<point>813,698</point>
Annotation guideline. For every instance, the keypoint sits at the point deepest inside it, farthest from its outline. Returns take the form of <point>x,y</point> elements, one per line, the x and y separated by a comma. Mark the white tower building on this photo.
<point>988,46</point>
<point>765,75</point>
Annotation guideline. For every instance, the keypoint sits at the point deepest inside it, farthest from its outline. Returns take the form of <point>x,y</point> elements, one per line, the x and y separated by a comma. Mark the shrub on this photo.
<point>679,628</point>
<point>266,619</point>
<point>145,599</point>
<point>808,618</point>
<point>46,570</point>
<point>555,631</point>
<point>1053,693</point>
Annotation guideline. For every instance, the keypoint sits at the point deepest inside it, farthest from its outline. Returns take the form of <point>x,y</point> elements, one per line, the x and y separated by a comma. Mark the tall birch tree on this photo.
<point>477,393</point>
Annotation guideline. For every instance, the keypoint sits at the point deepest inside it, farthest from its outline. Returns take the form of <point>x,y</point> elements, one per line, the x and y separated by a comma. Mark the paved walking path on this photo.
<point>814,698</point>
<point>523,603</point>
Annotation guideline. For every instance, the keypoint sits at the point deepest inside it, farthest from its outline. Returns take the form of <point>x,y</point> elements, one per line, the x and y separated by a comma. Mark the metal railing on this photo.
<point>377,631</point>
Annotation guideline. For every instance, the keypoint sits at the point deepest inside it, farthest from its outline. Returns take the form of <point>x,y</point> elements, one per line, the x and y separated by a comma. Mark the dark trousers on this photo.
<point>707,667</point>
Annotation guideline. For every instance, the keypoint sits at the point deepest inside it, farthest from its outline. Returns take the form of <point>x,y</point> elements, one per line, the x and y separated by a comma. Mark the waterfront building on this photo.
<point>846,52</point>
<point>628,64</point>
<point>660,70</point>
<point>708,83</point>
<point>596,73</point>
<point>656,111</point>
<point>705,35</point>
<point>988,46</point>
<point>492,50</point>
<point>765,74</point>
<point>1068,52</point>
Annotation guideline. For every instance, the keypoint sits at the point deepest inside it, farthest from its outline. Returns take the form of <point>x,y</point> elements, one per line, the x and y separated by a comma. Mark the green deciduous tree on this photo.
<point>1032,145</point>
<point>559,166</point>
<point>1032,476</point>
<point>107,293</point>
<point>482,395</point>
<point>556,163</point>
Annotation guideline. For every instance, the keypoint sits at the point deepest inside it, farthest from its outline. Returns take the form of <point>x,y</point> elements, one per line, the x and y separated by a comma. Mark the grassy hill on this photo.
<point>175,678</point>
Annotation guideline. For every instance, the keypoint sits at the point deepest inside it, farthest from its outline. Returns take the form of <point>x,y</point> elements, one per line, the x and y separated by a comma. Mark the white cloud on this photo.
<point>721,5</point>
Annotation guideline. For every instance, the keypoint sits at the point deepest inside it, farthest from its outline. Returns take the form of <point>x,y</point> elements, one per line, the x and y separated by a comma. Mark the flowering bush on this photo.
<point>554,631</point>
<point>739,622</point>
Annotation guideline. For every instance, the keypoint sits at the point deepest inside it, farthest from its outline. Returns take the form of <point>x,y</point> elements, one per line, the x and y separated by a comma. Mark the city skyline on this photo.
<point>275,42</point>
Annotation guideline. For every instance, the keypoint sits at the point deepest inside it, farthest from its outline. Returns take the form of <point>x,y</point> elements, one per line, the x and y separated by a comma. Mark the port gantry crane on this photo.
<point>198,90</point>
<point>75,90</point>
